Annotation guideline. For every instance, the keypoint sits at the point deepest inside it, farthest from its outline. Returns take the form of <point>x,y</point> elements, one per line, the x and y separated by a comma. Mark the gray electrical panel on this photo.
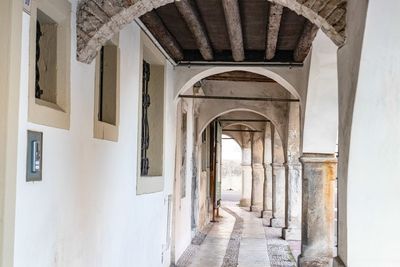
<point>34,159</point>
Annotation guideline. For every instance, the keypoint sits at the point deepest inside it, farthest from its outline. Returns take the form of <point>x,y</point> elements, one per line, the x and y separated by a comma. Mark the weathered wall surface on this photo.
<point>86,212</point>
<point>321,107</point>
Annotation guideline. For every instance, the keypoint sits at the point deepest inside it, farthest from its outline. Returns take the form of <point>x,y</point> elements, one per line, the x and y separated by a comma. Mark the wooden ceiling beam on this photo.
<point>234,25</point>
<point>274,24</point>
<point>195,25</point>
<point>158,29</point>
<point>305,41</point>
<point>240,76</point>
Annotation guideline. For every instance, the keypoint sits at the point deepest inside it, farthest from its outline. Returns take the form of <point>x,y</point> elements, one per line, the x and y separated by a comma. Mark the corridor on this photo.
<point>239,238</point>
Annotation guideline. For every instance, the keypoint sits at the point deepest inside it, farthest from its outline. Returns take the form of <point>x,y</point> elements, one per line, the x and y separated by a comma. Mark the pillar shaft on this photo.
<point>319,174</point>
<point>278,195</point>
<point>267,201</point>
<point>246,177</point>
<point>267,198</point>
<point>257,191</point>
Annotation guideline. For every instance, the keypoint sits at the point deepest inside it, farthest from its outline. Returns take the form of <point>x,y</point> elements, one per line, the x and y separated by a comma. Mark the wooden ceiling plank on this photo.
<point>161,33</point>
<point>234,25</point>
<point>305,42</point>
<point>193,21</point>
<point>274,23</point>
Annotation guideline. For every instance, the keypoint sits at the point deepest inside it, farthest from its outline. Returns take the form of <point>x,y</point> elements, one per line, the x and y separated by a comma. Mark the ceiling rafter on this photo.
<point>305,42</point>
<point>274,24</point>
<point>158,29</point>
<point>234,25</point>
<point>196,26</point>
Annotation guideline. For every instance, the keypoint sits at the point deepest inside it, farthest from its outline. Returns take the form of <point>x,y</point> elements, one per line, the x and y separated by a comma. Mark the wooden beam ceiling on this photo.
<point>193,21</point>
<point>305,42</point>
<point>233,30</point>
<point>161,33</point>
<point>274,24</point>
<point>234,25</point>
<point>240,76</point>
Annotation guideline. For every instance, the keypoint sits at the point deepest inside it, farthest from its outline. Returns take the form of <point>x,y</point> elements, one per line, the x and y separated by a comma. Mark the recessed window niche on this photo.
<point>106,102</point>
<point>49,56</point>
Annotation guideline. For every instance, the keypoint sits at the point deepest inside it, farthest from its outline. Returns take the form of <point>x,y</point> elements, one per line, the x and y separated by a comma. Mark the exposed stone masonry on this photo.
<point>99,20</point>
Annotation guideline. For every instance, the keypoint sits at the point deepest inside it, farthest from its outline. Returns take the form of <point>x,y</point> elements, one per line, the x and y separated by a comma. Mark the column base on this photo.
<point>315,261</point>
<point>244,202</point>
<point>293,234</point>
<point>266,214</point>
<point>277,222</point>
<point>255,208</point>
<point>337,262</point>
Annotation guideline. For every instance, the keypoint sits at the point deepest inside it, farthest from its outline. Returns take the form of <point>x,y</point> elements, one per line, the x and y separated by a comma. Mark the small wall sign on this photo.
<point>27,6</point>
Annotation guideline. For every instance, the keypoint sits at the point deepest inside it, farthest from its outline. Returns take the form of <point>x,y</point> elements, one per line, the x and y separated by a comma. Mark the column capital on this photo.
<point>277,165</point>
<point>293,165</point>
<point>318,158</point>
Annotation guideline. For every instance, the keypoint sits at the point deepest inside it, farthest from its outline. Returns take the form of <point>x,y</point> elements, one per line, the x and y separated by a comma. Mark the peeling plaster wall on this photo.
<point>86,212</point>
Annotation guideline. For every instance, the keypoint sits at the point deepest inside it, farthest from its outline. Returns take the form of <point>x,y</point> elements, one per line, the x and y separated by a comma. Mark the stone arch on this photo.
<point>191,76</point>
<point>98,21</point>
<point>248,125</point>
<point>206,121</point>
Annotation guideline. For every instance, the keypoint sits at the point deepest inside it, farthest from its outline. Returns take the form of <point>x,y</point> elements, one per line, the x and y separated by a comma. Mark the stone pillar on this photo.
<point>246,176</point>
<point>267,200</point>
<point>319,175</point>
<point>278,195</point>
<point>257,189</point>
<point>292,230</point>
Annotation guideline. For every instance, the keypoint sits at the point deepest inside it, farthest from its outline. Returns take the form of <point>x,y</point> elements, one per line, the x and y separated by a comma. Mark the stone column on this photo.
<point>278,181</point>
<point>257,189</point>
<point>267,200</point>
<point>292,230</point>
<point>319,175</point>
<point>246,171</point>
<point>278,195</point>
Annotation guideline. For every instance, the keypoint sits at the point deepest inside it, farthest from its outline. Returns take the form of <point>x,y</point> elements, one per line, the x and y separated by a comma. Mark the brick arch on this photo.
<point>99,20</point>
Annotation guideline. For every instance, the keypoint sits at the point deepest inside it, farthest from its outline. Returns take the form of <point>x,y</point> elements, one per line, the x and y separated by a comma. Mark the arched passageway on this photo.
<point>318,90</point>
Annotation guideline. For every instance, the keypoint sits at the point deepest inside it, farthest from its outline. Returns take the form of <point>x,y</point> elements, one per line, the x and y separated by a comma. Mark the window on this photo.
<point>183,153</point>
<point>49,68</point>
<point>204,155</point>
<point>151,119</point>
<point>46,58</point>
<point>151,163</point>
<point>107,92</point>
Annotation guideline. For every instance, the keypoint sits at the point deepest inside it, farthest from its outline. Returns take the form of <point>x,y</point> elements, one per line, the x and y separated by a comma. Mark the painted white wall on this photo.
<point>183,206</point>
<point>86,212</point>
<point>374,149</point>
<point>321,110</point>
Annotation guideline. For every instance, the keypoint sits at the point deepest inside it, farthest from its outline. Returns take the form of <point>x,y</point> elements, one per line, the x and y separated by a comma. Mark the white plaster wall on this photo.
<point>86,212</point>
<point>183,209</point>
<point>374,150</point>
<point>321,109</point>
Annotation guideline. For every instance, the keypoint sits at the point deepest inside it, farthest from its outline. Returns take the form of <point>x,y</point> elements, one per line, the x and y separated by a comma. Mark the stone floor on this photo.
<point>240,239</point>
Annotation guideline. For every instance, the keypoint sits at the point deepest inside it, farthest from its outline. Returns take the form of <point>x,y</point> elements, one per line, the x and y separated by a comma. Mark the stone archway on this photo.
<point>98,21</point>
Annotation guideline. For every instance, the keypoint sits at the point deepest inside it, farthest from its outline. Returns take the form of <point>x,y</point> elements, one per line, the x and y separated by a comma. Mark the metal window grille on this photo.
<point>144,164</point>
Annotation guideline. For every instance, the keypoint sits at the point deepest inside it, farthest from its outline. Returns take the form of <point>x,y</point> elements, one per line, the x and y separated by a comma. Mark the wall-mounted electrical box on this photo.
<point>34,157</point>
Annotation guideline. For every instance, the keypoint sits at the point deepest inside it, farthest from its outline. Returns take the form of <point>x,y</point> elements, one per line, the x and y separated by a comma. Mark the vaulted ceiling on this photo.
<point>230,31</point>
